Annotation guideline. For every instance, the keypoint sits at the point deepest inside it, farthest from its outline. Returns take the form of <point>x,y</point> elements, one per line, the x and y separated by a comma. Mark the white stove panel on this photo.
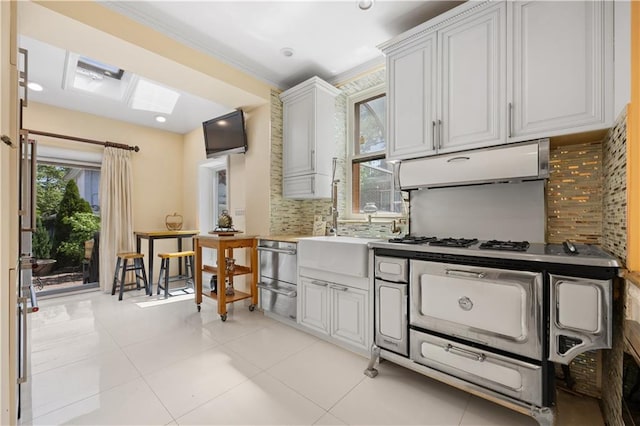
<point>505,211</point>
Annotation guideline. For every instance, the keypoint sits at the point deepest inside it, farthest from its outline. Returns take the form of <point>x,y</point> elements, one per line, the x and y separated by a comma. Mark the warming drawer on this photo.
<point>494,307</point>
<point>511,377</point>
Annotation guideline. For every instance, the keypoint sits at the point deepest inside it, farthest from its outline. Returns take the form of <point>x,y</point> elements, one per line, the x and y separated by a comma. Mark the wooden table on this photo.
<point>224,247</point>
<point>161,235</point>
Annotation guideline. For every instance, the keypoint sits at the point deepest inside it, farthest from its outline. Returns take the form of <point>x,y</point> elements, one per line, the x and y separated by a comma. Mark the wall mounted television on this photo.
<point>225,134</point>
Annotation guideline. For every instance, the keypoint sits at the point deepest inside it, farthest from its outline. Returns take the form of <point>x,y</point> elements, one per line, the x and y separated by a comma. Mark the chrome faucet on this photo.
<point>333,210</point>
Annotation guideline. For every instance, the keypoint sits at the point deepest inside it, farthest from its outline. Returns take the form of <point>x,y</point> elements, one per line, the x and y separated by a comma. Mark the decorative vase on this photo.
<point>173,222</point>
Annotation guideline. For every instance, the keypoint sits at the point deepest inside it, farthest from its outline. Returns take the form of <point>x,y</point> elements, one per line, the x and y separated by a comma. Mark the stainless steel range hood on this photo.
<point>506,163</point>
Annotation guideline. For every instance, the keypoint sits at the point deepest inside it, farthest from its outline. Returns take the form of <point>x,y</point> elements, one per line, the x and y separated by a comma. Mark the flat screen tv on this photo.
<point>225,135</point>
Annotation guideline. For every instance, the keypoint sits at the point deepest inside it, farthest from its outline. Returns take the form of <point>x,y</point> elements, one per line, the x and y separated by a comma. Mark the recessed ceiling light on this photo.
<point>365,4</point>
<point>35,87</point>
<point>160,119</point>
<point>287,52</point>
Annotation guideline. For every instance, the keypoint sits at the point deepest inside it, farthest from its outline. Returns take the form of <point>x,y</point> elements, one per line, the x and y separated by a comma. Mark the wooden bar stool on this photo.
<point>163,278</point>
<point>122,267</point>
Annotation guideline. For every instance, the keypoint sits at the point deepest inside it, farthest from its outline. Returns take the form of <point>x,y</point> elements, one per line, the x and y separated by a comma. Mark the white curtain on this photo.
<point>116,211</point>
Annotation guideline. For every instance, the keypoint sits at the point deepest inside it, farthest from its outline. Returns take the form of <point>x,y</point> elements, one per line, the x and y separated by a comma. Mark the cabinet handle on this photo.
<point>465,353</point>
<point>313,160</point>
<point>439,134</point>
<point>433,135</point>
<point>339,288</point>
<point>461,273</point>
<point>319,283</point>
<point>313,185</point>
<point>458,159</point>
<point>509,118</point>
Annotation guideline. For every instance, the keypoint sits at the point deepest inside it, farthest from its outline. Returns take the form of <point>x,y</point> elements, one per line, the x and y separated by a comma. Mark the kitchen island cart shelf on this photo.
<point>224,246</point>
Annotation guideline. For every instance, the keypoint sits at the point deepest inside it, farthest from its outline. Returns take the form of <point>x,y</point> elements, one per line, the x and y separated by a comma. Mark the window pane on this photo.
<point>219,194</point>
<point>373,183</point>
<point>370,125</point>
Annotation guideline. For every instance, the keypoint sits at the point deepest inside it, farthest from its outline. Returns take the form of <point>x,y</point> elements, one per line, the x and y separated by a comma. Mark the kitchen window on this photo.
<point>371,177</point>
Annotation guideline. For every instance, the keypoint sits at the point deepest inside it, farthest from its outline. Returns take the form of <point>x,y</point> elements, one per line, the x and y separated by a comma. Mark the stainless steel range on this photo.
<point>491,316</point>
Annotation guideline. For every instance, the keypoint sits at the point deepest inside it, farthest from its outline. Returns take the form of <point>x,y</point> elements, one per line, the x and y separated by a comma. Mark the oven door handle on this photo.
<point>467,274</point>
<point>292,293</point>
<point>277,250</point>
<point>465,353</point>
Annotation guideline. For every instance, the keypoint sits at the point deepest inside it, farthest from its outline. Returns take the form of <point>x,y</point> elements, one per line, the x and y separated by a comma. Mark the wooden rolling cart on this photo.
<point>224,245</point>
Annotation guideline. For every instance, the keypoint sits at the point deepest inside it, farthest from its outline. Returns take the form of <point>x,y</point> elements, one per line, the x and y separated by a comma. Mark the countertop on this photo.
<point>283,238</point>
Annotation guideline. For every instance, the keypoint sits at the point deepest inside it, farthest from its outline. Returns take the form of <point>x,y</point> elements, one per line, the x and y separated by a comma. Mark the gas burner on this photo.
<point>454,242</point>
<point>410,239</point>
<point>505,245</point>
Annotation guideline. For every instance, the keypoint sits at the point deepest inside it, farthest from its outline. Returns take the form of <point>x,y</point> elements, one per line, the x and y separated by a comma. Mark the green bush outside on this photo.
<point>75,223</point>
<point>41,241</point>
<point>83,226</point>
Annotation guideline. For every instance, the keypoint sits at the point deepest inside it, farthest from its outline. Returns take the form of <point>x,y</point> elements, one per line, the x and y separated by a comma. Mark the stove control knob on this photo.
<point>465,303</point>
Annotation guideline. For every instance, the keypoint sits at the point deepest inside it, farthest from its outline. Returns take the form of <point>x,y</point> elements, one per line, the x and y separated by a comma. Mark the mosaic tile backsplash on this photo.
<point>614,211</point>
<point>574,193</point>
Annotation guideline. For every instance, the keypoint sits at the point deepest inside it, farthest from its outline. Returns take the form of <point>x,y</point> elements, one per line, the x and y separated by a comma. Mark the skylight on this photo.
<point>99,68</point>
<point>91,76</point>
<point>150,96</point>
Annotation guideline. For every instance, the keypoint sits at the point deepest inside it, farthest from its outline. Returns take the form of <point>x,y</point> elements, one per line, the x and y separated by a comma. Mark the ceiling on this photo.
<point>48,66</point>
<point>334,40</point>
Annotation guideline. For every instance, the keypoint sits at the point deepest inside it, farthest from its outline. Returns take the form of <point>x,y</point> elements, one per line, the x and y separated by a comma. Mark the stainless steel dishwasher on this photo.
<point>278,278</point>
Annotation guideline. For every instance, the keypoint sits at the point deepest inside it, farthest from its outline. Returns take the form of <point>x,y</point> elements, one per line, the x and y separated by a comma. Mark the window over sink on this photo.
<point>371,176</point>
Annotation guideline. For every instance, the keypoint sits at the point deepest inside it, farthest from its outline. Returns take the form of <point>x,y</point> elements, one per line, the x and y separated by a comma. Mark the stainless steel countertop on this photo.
<point>588,255</point>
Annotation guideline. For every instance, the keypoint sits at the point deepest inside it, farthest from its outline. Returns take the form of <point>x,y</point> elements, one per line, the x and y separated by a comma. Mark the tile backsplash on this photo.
<point>574,193</point>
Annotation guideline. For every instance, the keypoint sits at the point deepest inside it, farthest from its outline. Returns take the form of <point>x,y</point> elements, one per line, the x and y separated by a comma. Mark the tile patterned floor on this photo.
<point>147,361</point>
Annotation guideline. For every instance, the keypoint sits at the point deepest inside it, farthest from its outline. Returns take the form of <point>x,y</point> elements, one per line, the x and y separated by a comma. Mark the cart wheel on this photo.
<point>252,307</point>
<point>199,307</point>
<point>223,317</point>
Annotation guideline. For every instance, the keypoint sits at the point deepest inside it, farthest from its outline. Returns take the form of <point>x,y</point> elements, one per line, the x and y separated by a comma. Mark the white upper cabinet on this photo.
<point>298,138</point>
<point>488,73</point>
<point>562,67</point>
<point>472,84</point>
<point>411,73</point>
<point>308,139</point>
<point>447,87</point>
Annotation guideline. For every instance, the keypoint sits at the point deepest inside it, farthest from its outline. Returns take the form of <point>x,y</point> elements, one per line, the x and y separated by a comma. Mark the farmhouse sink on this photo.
<point>340,255</point>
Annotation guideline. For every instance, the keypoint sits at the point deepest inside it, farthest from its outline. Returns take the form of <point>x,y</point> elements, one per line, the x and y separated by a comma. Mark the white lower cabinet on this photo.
<point>349,319</point>
<point>338,311</point>
<point>314,306</point>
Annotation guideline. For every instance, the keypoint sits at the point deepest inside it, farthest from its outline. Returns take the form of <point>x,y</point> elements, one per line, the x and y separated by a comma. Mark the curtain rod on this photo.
<point>84,140</point>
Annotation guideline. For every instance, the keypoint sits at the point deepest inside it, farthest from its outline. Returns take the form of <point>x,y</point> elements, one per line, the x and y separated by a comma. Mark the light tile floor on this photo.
<point>150,361</point>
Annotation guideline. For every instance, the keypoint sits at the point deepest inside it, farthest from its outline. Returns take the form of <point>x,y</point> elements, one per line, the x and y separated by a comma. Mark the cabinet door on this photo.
<point>560,67</point>
<point>473,81</point>
<point>314,308</point>
<point>411,73</point>
<point>349,315</point>
<point>298,144</point>
<point>581,316</point>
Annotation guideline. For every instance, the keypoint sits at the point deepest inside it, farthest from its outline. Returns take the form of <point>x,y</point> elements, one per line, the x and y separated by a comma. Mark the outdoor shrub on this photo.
<point>41,241</point>
<point>66,224</point>
<point>83,226</point>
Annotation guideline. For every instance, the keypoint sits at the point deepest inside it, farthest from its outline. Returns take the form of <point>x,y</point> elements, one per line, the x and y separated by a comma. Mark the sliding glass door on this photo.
<point>66,241</point>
